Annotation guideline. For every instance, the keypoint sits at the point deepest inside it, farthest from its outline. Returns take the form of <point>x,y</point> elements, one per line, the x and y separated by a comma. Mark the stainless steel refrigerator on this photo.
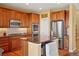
<point>57,31</point>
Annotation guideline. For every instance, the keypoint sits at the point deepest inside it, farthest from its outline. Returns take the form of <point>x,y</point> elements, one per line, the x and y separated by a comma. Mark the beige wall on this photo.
<point>2,30</point>
<point>72,28</point>
<point>77,24</point>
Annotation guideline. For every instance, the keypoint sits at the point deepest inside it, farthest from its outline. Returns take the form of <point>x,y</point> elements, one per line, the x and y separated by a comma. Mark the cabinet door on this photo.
<point>29,19</point>
<point>35,18</point>
<point>66,43</point>
<point>1,18</point>
<point>15,43</point>
<point>18,15</point>
<point>25,20</point>
<point>4,44</point>
<point>60,15</point>
<point>67,19</point>
<point>53,16</point>
<point>4,17</point>
<point>13,14</point>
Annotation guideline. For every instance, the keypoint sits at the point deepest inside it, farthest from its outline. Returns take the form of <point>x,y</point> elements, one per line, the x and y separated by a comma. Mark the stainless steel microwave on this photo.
<point>15,23</point>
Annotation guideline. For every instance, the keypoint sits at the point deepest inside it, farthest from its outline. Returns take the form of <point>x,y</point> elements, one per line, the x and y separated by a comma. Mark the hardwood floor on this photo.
<point>63,52</point>
<point>77,44</point>
<point>13,53</point>
<point>18,53</point>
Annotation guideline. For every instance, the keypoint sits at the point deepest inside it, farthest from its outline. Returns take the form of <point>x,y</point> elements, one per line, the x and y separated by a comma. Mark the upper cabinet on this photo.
<point>6,15</point>
<point>67,19</point>
<point>25,20</point>
<point>53,16</point>
<point>35,18</point>
<point>23,17</point>
<point>59,15</point>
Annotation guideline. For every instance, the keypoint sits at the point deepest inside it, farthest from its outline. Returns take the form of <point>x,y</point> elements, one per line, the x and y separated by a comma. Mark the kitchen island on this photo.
<point>43,48</point>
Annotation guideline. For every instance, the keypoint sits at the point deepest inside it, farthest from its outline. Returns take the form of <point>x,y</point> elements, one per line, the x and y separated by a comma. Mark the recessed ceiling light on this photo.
<point>58,3</point>
<point>27,3</point>
<point>40,8</point>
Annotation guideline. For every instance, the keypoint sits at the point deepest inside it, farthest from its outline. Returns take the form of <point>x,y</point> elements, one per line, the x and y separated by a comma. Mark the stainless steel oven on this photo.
<point>35,30</point>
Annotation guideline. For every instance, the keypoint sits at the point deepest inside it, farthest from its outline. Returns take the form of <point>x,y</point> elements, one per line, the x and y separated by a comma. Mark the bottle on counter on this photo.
<point>4,33</point>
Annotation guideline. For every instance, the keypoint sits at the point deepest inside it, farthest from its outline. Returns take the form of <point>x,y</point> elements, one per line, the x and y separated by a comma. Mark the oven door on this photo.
<point>34,27</point>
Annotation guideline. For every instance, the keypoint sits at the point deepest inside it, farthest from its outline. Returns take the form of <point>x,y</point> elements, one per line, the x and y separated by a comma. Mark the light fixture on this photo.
<point>27,3</point>
<point>58,3</point>
<point>40,8</point>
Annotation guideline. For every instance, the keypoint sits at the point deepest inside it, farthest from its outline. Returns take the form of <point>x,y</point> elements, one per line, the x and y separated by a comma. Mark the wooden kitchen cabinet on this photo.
<point>66,42</point>
<point>53,16</point>
<point>13,14</point>
<point>25,20</point>
<point>14,43</point>
<point>67,19</point>
<point>35,18</point>
<point>1,17</point>
<point>4,17</point>
<point>4,43</point>
<point>23,17</point>
<point>59,15</point>
<point>24,47</point>
<point>7,14</point>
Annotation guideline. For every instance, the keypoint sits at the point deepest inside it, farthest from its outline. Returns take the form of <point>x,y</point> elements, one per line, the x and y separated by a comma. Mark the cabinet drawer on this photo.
<point>3,44</point>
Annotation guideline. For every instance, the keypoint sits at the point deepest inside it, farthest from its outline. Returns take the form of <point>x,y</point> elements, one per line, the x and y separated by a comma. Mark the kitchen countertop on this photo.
<point>28,35</point>
<point>29,38</point>
<point>16,36</point>
<point>37,41</point>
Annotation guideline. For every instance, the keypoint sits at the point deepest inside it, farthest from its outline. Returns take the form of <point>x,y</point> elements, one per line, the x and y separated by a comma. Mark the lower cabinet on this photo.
<point>14,43</point>
<point>66,43</point>
<point>24,47</point>
<point>10,43</point>
<point>4,44</point>
<point>5,48</point>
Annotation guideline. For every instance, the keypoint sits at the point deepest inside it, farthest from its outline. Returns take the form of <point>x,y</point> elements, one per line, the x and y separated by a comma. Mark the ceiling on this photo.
<point>35,7</point>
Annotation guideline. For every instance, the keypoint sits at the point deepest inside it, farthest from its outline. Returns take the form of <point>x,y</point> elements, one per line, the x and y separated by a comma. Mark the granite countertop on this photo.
<point>28,35</point>
<point>37,41</point>
<point>29,38</point>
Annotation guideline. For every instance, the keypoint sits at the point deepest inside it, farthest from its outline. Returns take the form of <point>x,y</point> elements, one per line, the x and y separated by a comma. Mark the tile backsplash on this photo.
<point>16,30</point>
<point>12,30</point>
<point>2,30</point>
